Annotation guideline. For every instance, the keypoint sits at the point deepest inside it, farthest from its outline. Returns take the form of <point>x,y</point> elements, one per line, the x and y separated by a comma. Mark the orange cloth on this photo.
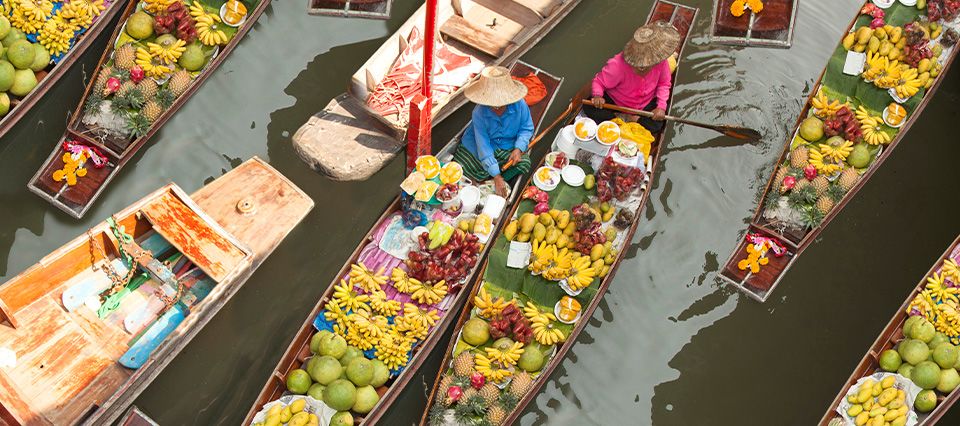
<point>536,90</point>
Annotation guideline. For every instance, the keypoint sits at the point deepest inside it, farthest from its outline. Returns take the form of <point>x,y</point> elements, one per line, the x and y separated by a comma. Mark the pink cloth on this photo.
<point>620,81</point>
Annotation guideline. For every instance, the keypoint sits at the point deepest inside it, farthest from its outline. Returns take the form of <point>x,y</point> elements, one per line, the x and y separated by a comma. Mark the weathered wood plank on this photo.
<point>481,39</point>
<point>513,11</point>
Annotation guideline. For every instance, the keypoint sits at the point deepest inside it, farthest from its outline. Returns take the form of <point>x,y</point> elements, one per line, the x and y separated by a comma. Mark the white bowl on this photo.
<point>565,142</point>
<point>547,186</point>
<point>591,127</point>
<point>573,175</point>
<point>556,313</point>
<point>551,158</point>
<point>609,124</point>
<point>886,115</point>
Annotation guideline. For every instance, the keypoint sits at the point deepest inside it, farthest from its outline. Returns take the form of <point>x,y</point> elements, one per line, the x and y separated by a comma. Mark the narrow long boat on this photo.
<point>373,9</point>
<point>370,253</point>
<point>466,390</point>
<point>772,27</point>
<point>893,334</point>
<point>358,132</point>
<point>814,179</point>
<point>86,329</point>
<point>49,76</point>
<point>123,108</point>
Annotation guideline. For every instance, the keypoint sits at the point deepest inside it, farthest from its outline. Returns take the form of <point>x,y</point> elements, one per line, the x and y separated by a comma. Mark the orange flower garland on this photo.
<point>739,7</point>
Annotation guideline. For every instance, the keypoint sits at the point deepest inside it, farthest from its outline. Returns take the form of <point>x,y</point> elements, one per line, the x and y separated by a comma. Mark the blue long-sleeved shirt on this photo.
<point>489,132</point>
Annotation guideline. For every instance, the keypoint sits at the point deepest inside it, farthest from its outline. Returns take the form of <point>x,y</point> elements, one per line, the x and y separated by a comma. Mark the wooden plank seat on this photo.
<point>480,38</point>
<point>513,11</point>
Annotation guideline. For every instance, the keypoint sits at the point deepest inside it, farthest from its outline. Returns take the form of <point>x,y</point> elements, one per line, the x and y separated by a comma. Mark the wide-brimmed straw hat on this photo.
<point>495,88</point>
<point>651,44</point>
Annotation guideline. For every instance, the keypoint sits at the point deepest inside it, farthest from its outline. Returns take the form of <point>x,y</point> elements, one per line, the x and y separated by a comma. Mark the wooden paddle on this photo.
<point>737,132</point>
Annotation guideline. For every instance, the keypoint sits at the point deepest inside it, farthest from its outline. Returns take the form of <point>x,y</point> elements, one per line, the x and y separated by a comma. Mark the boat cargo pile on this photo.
<point>874,87</point>
<point>909,376</point>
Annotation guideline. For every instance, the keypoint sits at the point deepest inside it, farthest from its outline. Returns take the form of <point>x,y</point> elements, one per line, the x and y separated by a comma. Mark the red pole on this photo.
<point>421,107</point>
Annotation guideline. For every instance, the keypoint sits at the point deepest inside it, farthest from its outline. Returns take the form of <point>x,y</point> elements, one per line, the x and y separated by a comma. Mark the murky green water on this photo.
<point>669,344</point>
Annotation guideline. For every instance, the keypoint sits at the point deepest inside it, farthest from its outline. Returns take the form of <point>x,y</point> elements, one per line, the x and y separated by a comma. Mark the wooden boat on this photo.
<point>48,77</point>
<point>193,254</point>
<point>891,335</point>
<point>349,140</point>
<point>682,17</point>
<point>773,27</point>
<point>299,350</point>
<point>376,9</point>
<point>77,199</point>
<point>759,285</point>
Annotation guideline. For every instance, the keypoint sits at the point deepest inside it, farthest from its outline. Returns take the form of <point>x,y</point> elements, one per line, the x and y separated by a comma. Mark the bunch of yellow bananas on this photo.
<point>940,291</point>
<point>208,30</point>
<point>197,10</point>
<point>55,35</point>
<point>349,299</point>
<point>79,14</point>
<point>429,294</point>
<point>825,168</point>
<point>414,313</point>
<point>335,314</point>
<point>532,312</point>
<point>411,327</point>
<point>393,349</point>
<point>888,76</point>
<point>544,331</point>
<point>363,277</point>
<point>402,282</point>
<point>157,6</point>
<point>909,83</point>
<point>491,369</point>
<point>365,331</point>
<point>488,306</point>
<point>169,53</point>
<point>837,153</point>
<point>543,255</point>
<point>560,267</point>
<point>824,107</point>
<point>875,67</point>
<point>152,66</point>
<point>951,270</point>
<point>872,131</point>
<point>581,274</point>
<point>506,357</point>
<point>382,305</point>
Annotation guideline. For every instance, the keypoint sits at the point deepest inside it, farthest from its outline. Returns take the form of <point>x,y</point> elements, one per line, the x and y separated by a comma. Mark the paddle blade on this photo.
<point>741,133</point>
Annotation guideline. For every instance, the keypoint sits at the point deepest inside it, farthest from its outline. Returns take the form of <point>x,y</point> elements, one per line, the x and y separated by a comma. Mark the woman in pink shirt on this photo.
<point>639,77</point>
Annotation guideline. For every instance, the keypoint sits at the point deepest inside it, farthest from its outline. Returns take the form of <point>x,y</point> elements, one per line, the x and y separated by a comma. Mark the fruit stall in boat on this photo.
<point>874,87</point>
<point>377,9</point>
<point>394,298</point>
<point>358,132</point>
<point>161,53</point>
<point>42,40</point>
<point>754,22</point>
<point>909,375</point>
<point>86,329</point>
<point>548,271</point>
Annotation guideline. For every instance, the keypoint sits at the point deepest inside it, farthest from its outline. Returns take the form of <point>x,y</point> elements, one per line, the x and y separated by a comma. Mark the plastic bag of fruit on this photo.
<point>309,406</point>
<point>863,398</point>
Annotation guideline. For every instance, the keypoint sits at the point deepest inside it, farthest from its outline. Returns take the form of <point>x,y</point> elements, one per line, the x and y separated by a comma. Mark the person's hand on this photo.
<point>515,157</point>
<point>598,101</point>
<point>500,186</point>
<point>659,114</point>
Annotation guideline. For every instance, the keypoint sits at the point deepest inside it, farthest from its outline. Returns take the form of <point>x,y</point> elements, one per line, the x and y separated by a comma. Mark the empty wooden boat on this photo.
<point>369,253</point>
<point>375,9</point>
<point>87,332</point>
<point>772,27</point>
<point>466,390</point>
<point>358,132</point>
<point>112,122</point>
<point>814,179</point>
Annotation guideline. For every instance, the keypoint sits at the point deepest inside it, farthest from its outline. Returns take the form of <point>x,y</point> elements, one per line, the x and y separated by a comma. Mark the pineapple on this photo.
<point>489,392</point>
<point>125,56</point>
<point>521,384</point>
<point>152,110</point>
<point>799,156</point>
<point>821,184</point>
<point>802,183</point>
<point>179,82</point>
<point>848,178</point>
<point>148,87</point>
<point>496,415</point>
<point>125,88</point>
<point>824,204</point>
<point>102,78</point>
<point>781,173</point>
<point>463,364</point>
<point>468,394</point>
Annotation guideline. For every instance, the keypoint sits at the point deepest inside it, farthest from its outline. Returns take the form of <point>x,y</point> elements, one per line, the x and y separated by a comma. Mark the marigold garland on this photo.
<point>739,7</point>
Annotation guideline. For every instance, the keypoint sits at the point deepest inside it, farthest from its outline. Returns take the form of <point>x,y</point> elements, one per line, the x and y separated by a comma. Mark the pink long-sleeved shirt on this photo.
<point>629,89</point>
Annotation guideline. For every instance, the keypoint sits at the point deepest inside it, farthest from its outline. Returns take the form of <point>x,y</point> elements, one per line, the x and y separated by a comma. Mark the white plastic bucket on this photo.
<point>469,197</point>
<point>566,143</point>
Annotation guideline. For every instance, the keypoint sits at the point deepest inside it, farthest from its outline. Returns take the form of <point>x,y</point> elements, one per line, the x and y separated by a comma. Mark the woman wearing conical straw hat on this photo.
<point>500,131</point>
<point>639,77</point>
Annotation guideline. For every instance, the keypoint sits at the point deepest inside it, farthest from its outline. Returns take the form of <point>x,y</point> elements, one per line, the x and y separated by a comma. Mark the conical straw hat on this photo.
<point>495,88</point>
<point>651,44</point>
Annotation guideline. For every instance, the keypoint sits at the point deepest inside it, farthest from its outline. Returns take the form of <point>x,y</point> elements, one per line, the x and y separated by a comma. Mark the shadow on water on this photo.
<point>669,345</point>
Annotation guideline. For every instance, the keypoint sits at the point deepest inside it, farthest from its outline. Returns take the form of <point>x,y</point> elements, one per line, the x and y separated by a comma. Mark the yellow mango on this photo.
<point>893,414</point>
<point>553,235</point>
<point>869,403</point>
<point>275,410</point>
<point>864,394</point>
<point>888,382</point>
<point>901,395</point>
<point>554,213</point>
<point>608,215</point>
<point>562,241</point>
<point>873,45</point>
<point>849,40</point>
<point>876,421</point>
<point>876,389</point>
<point>523,237</point>
<point>527,221</point>
<point>546,219</point>
<point>297,406</point>
<point>895,35</point>
<point>886,396</point>
<point>899,421</point>
<point>854,410</point>
<point>878,411</point>
<point>539,232</point>
<point>285,415</point>
<point>563,219</point>
<point>511,230</point>
<point>596,252</point>
<point>852,398</point>
<point>314,420</point>
<point>895,404</point>
<point>924,65</point>
<point>863,35</point>
<point>273,420</point>
<point>861,419</point>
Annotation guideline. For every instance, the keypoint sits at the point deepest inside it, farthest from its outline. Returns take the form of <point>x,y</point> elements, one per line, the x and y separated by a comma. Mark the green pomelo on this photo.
<point>956,365</point>
<point>503,343</point>
<point>905,370</point>
<point>4,104</point>
<point>23,82</point>
<point>21,54</point>
<point>192,59</point>
<point>12,36</point>
<point>340,395</point>
<point>380,373</point>
<point>890,360</point>
<point>945,355</point>
<point>325,369</point>
<point>41,58</point>
<point>310,363</point>
<point>811,129</point>
<point>937,340</point>
<point>140,25</point>
<point>6,76</point>
<point>922,330</point>
<point>315,340</point>
<point>332,345</point>
<point>476,332</point>
<point>531,359</point>
<point>360,371</point>
<point>166,40</point>
<point>910,322</point>
<point>926,401</point>
<point>316,391</point>
<point>913,351</point>
<point>298,382</point>
<point>351,354</point>
<point>4,26</point>
<point>342,419</point>
<point>367,398</point>
<point>860,158</point>
<point>949,379</point>
<point>926,374</point>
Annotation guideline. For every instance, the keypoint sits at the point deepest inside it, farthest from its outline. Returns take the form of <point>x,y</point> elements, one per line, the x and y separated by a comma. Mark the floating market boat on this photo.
<point>87,19</point>
<point>426,281</point>
<point>161,54</point>
<point>930,309</point>
<point>377,9</point>
<point>86,329</point>
<point>754,22</point>
<point>869,95</point>
<point>545,277</point>
<point>358,132</point>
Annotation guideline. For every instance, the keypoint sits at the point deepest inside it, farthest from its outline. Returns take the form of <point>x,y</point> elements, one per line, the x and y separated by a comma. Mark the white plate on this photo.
<point>566,288</point>
<point>223,10</point>
<point>887,113</point>
<point>547,186</point>
<point>615,126</point>
<point>883,4</point>
<point>591,127</point>
<point>897,99</point>
<point>573,175</point>
<point>556,313</point>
